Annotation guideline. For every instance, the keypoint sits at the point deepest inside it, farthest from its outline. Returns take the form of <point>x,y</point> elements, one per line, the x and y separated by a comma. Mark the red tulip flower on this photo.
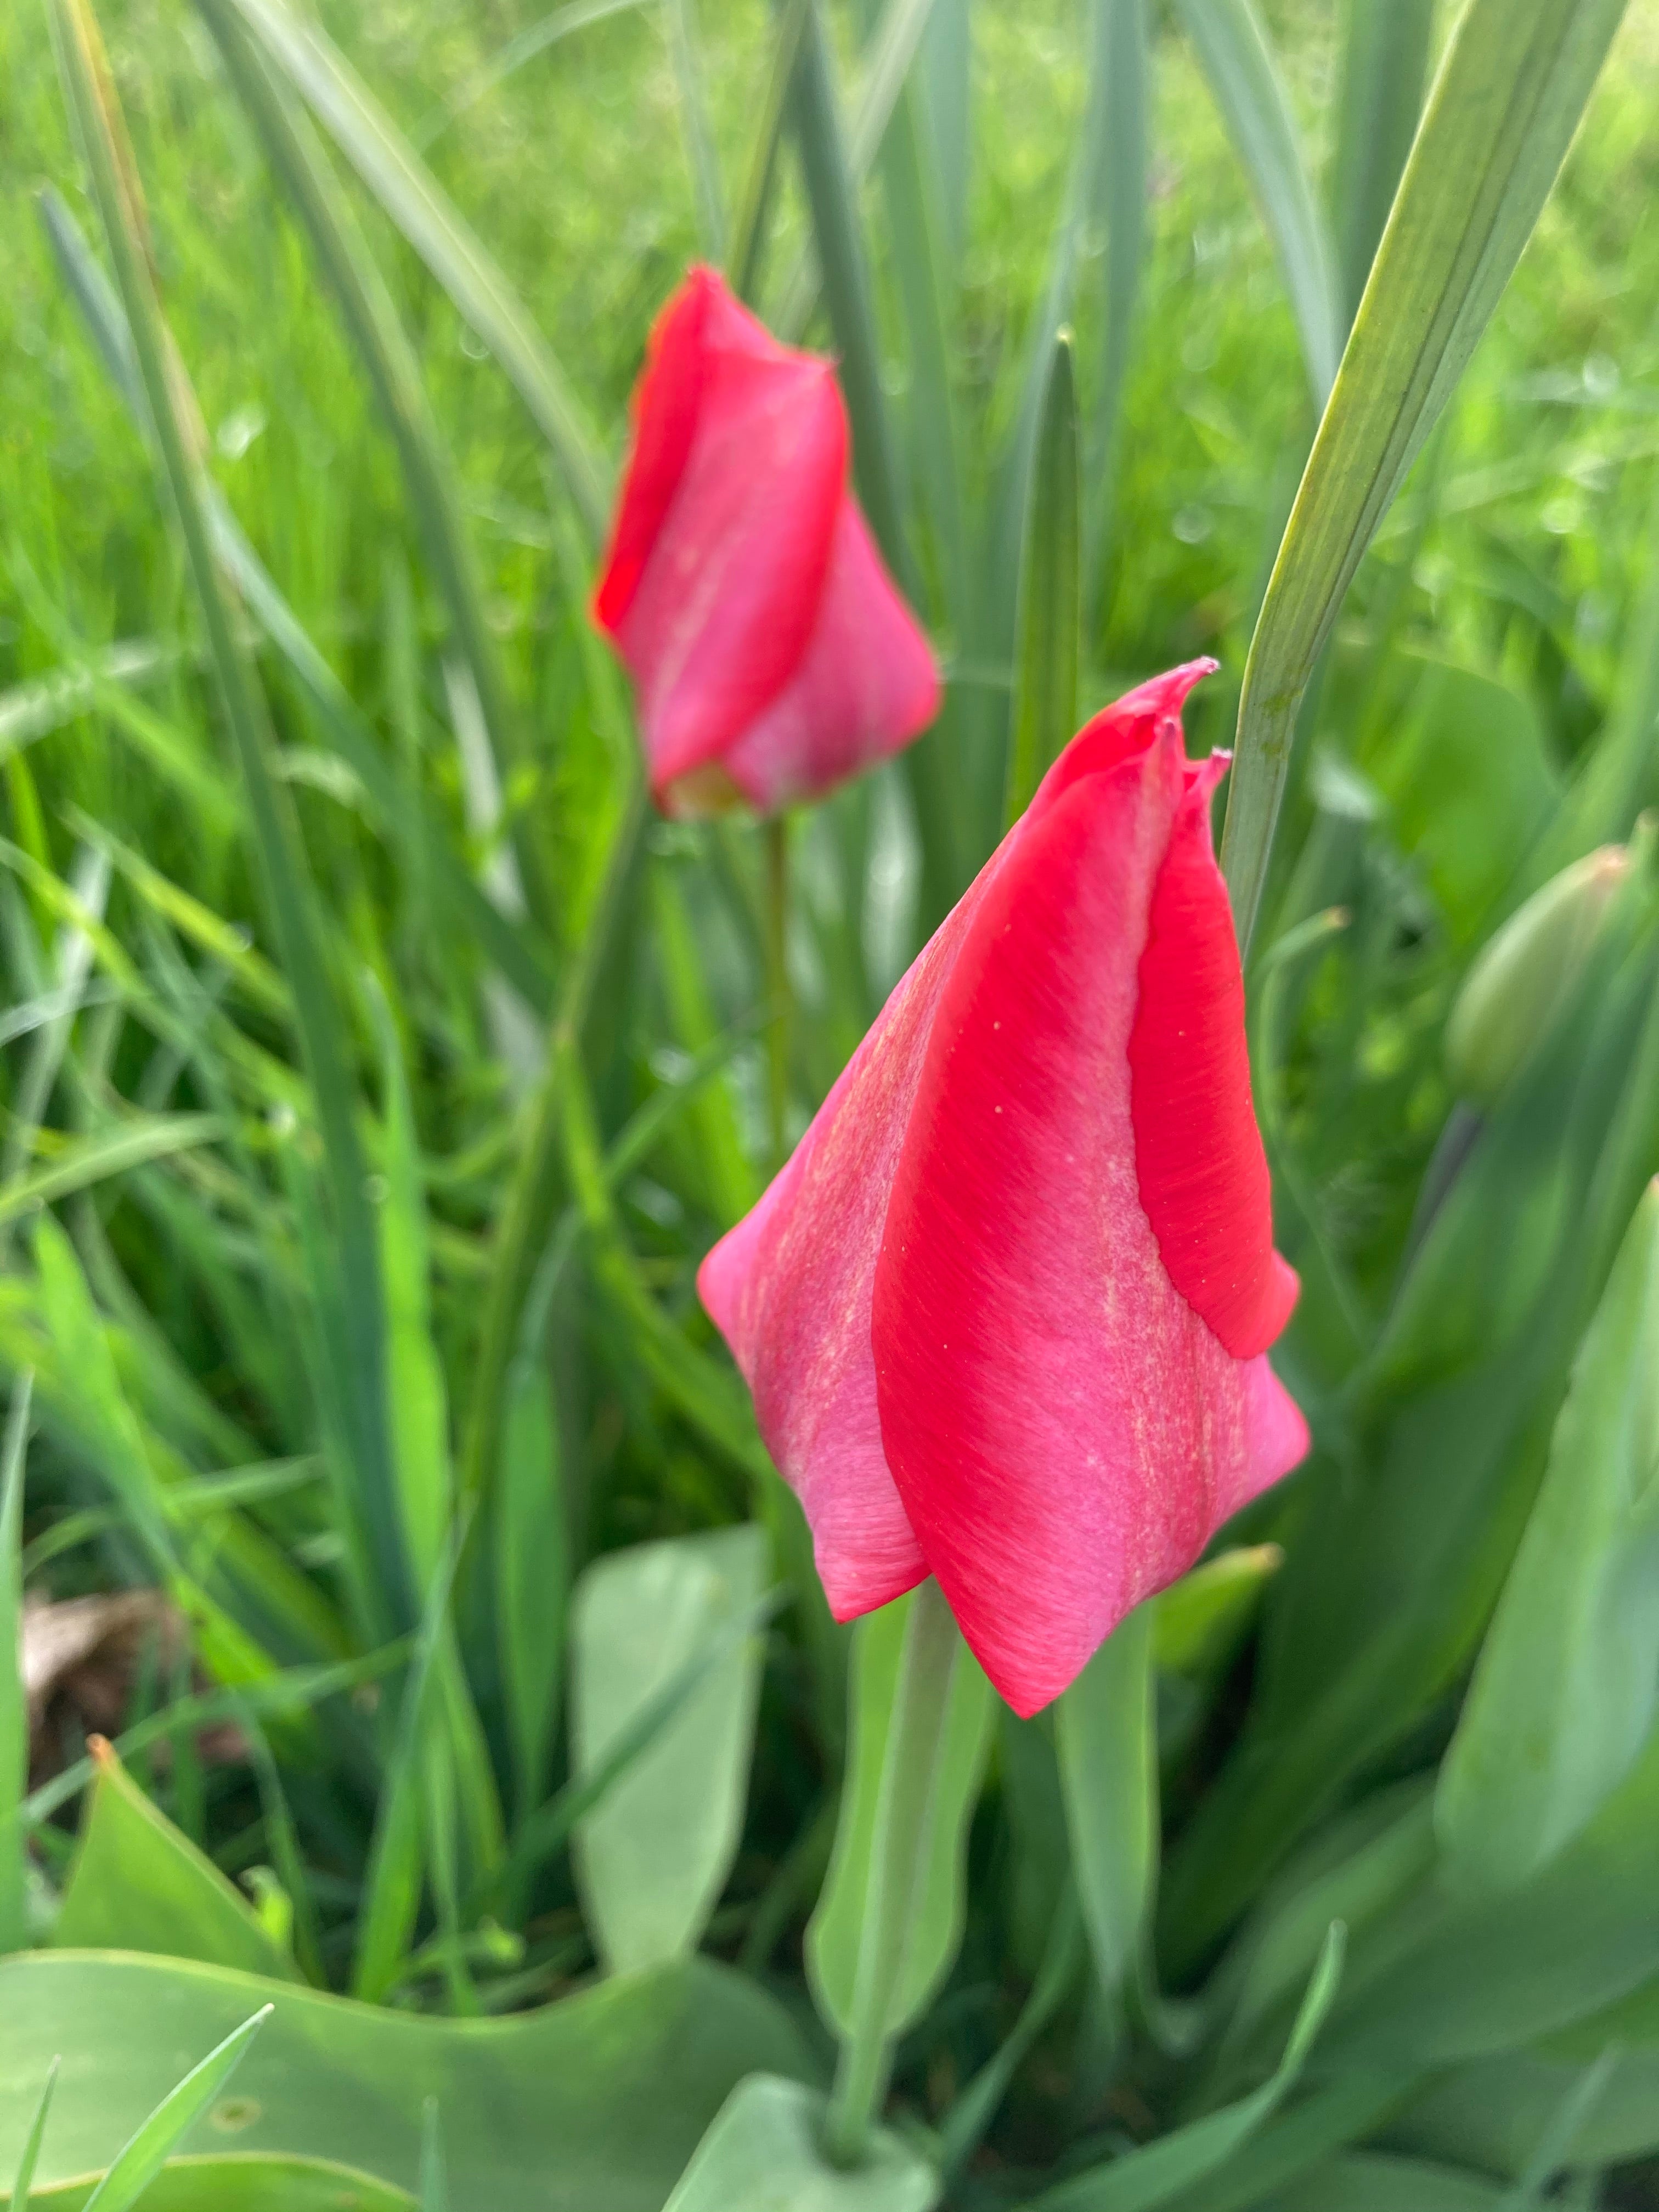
<point>1005,1311</point>
<point>771,654</point>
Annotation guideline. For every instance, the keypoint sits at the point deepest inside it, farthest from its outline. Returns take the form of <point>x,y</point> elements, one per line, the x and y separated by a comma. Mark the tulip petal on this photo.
<point>665,410</point>
<point>1064,1429</point>
<point>1203,1174</point>
<point>742,511</point>
<point>865,685</point>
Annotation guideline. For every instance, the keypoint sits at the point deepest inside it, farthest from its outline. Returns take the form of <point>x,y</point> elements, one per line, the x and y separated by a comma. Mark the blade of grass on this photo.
<point>1045,695</point>
<point>1385,64</point>
<point>388,359</point>
<point>681,25</point>
<point>537,39</point>
<point>286,885</point>
<point>1238,63</point>
<point>891,51</point>
<point>405,814</point>
<point>748,245</point>
<point>1125,160</point>
<point>157,2138</point>
<point>1514,82</point>
<point>23,2181</point>
<point>400,181</point>
<point>14,1702</point>
<point>87,1160</point>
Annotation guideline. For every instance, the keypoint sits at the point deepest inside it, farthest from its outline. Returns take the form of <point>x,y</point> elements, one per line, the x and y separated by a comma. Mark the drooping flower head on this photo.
<point>771,654</point>
<point>1005,1311</point>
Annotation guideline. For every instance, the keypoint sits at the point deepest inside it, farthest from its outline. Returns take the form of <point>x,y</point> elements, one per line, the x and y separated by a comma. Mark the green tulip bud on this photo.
<point>1526,975</point>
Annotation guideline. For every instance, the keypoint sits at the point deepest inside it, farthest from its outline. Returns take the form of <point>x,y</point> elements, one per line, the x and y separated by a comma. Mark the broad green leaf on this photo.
<point>394,173</point>
<point>1494,2113</point>
<point>1504,106</point>
<point>1050,592</point>
<point>289,893</point>
<point>1466,1975</point>
<point>1243,76</point>
<point>653,1859</point>
<point>233,2184</point>
<point>1370,1859</point>
<point>1106,1734</point>
<point>1565,1689</point>
<point>148,2149</point>
<point>1385,62</point>
<point>14,1701</point>
<point>137,1884</point>
<point>922,1928</point>
<point>764,2153</point>
<point>1157,2173</point>
<point>1467,772</point>
<point>592,2104</point>
<point>1365,2182</point>
<point>1315,2128</point>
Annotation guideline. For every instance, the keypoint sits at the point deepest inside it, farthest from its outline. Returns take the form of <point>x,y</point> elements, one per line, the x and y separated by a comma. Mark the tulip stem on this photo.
<point>898,1863</point>
<point>779,1025</point>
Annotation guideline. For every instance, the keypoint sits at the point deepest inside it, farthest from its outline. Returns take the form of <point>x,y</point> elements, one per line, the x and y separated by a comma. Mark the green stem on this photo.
<point>777,985</point>
<point>904,1817</point>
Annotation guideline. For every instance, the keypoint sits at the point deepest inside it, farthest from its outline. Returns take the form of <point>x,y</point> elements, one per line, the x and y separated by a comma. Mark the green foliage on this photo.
<point>376,1072</point>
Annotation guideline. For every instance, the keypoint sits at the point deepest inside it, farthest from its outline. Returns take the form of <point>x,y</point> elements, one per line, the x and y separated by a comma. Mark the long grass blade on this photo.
<point>14,1702</point>
<point>576,16</point>
<point>87,1161</point>
<point>157,2138</point>
<point>1122,192</point>
<point>749,230</point>
<point>394,173</point>
<point>23,2181</point>
<point>286,885</point>
<point>682,47</point>
<point>1511,88</point>
<point>1238,63</point>
<point>1045,696</point>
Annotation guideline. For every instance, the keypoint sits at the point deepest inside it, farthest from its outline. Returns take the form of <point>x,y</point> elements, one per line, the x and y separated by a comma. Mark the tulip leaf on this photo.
<point>1508,98</point>
<point>1238,61</point>
<point>590,2105</point>
<point>1045,690</point>
<point>240,2184</point>
<point>137,1884</point>
<point>1157,2172</point>
<point>394,173</point>
<point>1123,164</point>
<point>1106,1734</point>
<point>1498,2112</point>
<point>148,2149</point>
<point>652,1858</point>
<point>1567,1683</point>
<point>1366,2182</point>
<point>1198,1620</point>
<point>1385,62</point>
<point>764,2153</point>
<point>858,1913</point>
<point>1470,1973</point>
<point>13,1700</point>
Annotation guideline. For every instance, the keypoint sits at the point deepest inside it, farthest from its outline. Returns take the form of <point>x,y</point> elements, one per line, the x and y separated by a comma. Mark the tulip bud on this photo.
<point>771,652</point>
<point>1526,975</point>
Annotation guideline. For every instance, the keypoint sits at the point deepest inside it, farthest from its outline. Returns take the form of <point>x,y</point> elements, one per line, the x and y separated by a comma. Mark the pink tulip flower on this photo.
<point>1005,1311</point>
<point>771,654</point>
